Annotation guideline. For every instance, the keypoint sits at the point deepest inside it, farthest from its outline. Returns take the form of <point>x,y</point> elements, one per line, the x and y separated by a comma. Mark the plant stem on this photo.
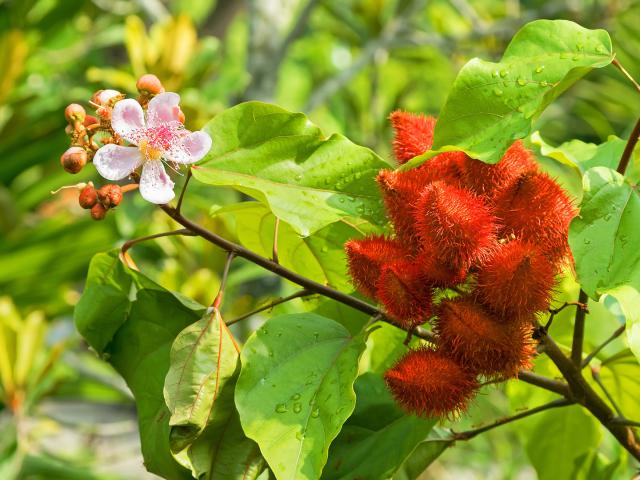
<point>274,255</point>
<point>624,71</point>
<point>183,191</point>
<point>578,329</point>
<point>130,243</point>
<point>299,294</point>
<point>615,335</point>
<point>628,149</point>
<point>469,434</point>
<point>625,421</point>
<point>546,383</point>
<point>223,283</point>
<point>595,374</point>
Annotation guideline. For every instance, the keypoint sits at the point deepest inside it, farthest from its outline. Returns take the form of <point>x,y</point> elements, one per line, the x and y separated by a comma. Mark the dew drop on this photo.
<point>539,68</point>
<point>497,92</point>
<point>324,249</point>
<point>587,241</point>
<point>316,336</point>
<point>297,407</point>
<point>576,58</point>
<point>281,408</point>
<point>341,199</point>
<point>607,217</point>
<point>600,49</point>
<point>296,396</point>
<point>522,82</point>
<point>520,109</point>
<point>315,413</point>
<point>298,177</point>
<point>544,83</point>
<point>299,435</point>
<point>351,199</point>
<point>494,74</point>
<point>503,73</point>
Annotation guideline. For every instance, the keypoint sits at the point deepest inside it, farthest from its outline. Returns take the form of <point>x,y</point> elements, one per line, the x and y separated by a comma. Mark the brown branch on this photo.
<point>469,434</point>
<point>628,149</point>
<point>578,329</point>
<point>130,243</point>
<point>299,294</point>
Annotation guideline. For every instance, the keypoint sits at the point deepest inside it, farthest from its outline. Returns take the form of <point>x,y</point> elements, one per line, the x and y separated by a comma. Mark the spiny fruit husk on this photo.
<point>365,258</point>
<point>455,223</point>
<point>476,339</point>
<point>516,279</point>
<point>406,296</point>
<point>413,134</point>
<point>486,179</point>
<point>428,383</point>
<point>534,208</point>
<point>438,272</point>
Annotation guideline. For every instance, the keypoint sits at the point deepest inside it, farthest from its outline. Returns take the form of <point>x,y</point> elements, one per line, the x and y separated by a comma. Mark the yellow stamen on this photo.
<point>149,152</point>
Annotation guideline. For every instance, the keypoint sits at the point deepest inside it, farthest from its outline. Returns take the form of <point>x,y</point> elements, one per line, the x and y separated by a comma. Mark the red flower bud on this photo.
<point>88,197</point>
<point>74,113</point>
<point>454,223</point>
<point>535,209</point>
<point>486,179</point>
<point>110,195</point>
<point>149,84</point>
<point>365,258</point>
<point>405,293</point>
<point>426,382</point>
<point>90,120</point>
<point>516,280</point>
<point>414,134</point>
<point>74,159</point>
<point>484,343</point>
<point>98,212</point>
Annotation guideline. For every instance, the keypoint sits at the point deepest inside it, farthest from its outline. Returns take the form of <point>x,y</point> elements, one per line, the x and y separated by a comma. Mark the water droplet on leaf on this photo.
<point>297,407</point>
<point>281,408</point>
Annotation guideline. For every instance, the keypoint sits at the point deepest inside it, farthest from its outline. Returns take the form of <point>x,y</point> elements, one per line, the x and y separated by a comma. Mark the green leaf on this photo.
<point>379,438</point>
<point>206,435</point>
<point>620,374</point>
<point>296,390</point>
<point>559,438</point>
<point>492,104</point>
<point>284,161</point>
<point>604,240</point>
<point>137,344</point>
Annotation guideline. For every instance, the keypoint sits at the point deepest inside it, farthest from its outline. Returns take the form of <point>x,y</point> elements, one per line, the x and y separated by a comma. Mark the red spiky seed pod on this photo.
<point>73,159</point>
<point>516,280</point>
<point>88,197</point>
<point>486,180</point>
<point>366,256</point>
<point>75,113</point>
<point>455,223</point>
<point>405,293</point>
<point>437,272</point>
<point>480,341</point>
<point>110,195</point>
<point>413,134</point>
<point>448,167</point>
<point>534,208</point>
<point>98,212</point>
<point>427,383</point>
<point>149,84</point>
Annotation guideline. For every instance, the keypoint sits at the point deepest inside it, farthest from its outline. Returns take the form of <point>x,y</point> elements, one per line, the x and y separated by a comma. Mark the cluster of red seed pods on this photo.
<point>475,251</point>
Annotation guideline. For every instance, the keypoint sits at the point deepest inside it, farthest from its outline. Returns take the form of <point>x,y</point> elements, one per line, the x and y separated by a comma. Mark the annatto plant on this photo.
<point>458,254</point>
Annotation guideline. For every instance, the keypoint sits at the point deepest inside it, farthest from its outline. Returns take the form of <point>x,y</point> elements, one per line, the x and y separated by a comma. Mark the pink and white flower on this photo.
<point>161,136</point>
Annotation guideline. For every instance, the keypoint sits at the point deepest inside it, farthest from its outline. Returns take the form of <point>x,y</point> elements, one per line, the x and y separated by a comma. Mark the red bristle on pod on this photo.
<point>404,293</point>
<point>365,258</point>
<point>438,272</point>
<point>448,167</point>
<point>413,134</point>
<point>427,383</point>
<point>455,223</point>
<point>486,179</point>
<point>516,279</point>
<point>535,209</point>
<point>480,341</point>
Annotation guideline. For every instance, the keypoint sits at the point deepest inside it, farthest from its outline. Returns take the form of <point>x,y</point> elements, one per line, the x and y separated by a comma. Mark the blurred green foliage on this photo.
<point>346,64</point>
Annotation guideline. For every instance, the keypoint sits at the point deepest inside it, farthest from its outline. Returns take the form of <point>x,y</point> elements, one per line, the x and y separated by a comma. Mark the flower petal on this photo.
<point>115,162</point>
<point>155,184</point>
<point>163,108</point>
<point>127,119</point>
<point>190,148</point>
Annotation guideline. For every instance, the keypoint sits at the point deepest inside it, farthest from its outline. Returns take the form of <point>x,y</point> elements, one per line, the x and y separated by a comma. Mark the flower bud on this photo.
<point>74,112</point>
<point>149,84</point>
<point>74,159</point>
<point>103,97</point>
<point>181,117</point>
<point>88,197</point>
<point>110,195</point>
<point>90,120</point>
<point>427,382</point>
<point>98,212</point>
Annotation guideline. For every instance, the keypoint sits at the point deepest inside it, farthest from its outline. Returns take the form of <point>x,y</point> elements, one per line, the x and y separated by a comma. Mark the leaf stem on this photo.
<point>628,149</point>
<point>595,374</point>
<point>624,71</point>
<point>223,282</point>
<point>469,434</point>
<point>183,191</point>
<point>578,329</point>
<point>299,294</point>
<point>613,336</point>
<point>130,243</point>
<point>274,255</point>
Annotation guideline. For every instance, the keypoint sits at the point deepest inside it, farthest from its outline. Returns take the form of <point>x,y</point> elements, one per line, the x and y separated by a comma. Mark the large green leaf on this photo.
<point>296,390</point>
<point>206,436</point>
<point>558,440</point>
<point>620,374</point>
<point>284,161</point>
<point>604,240</point>
<point>137,344</point>
<point>492,104</point>
<point>379,438</point>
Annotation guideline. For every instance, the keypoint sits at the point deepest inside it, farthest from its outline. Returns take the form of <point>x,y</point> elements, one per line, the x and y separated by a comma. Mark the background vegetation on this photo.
<point>346,64</point>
